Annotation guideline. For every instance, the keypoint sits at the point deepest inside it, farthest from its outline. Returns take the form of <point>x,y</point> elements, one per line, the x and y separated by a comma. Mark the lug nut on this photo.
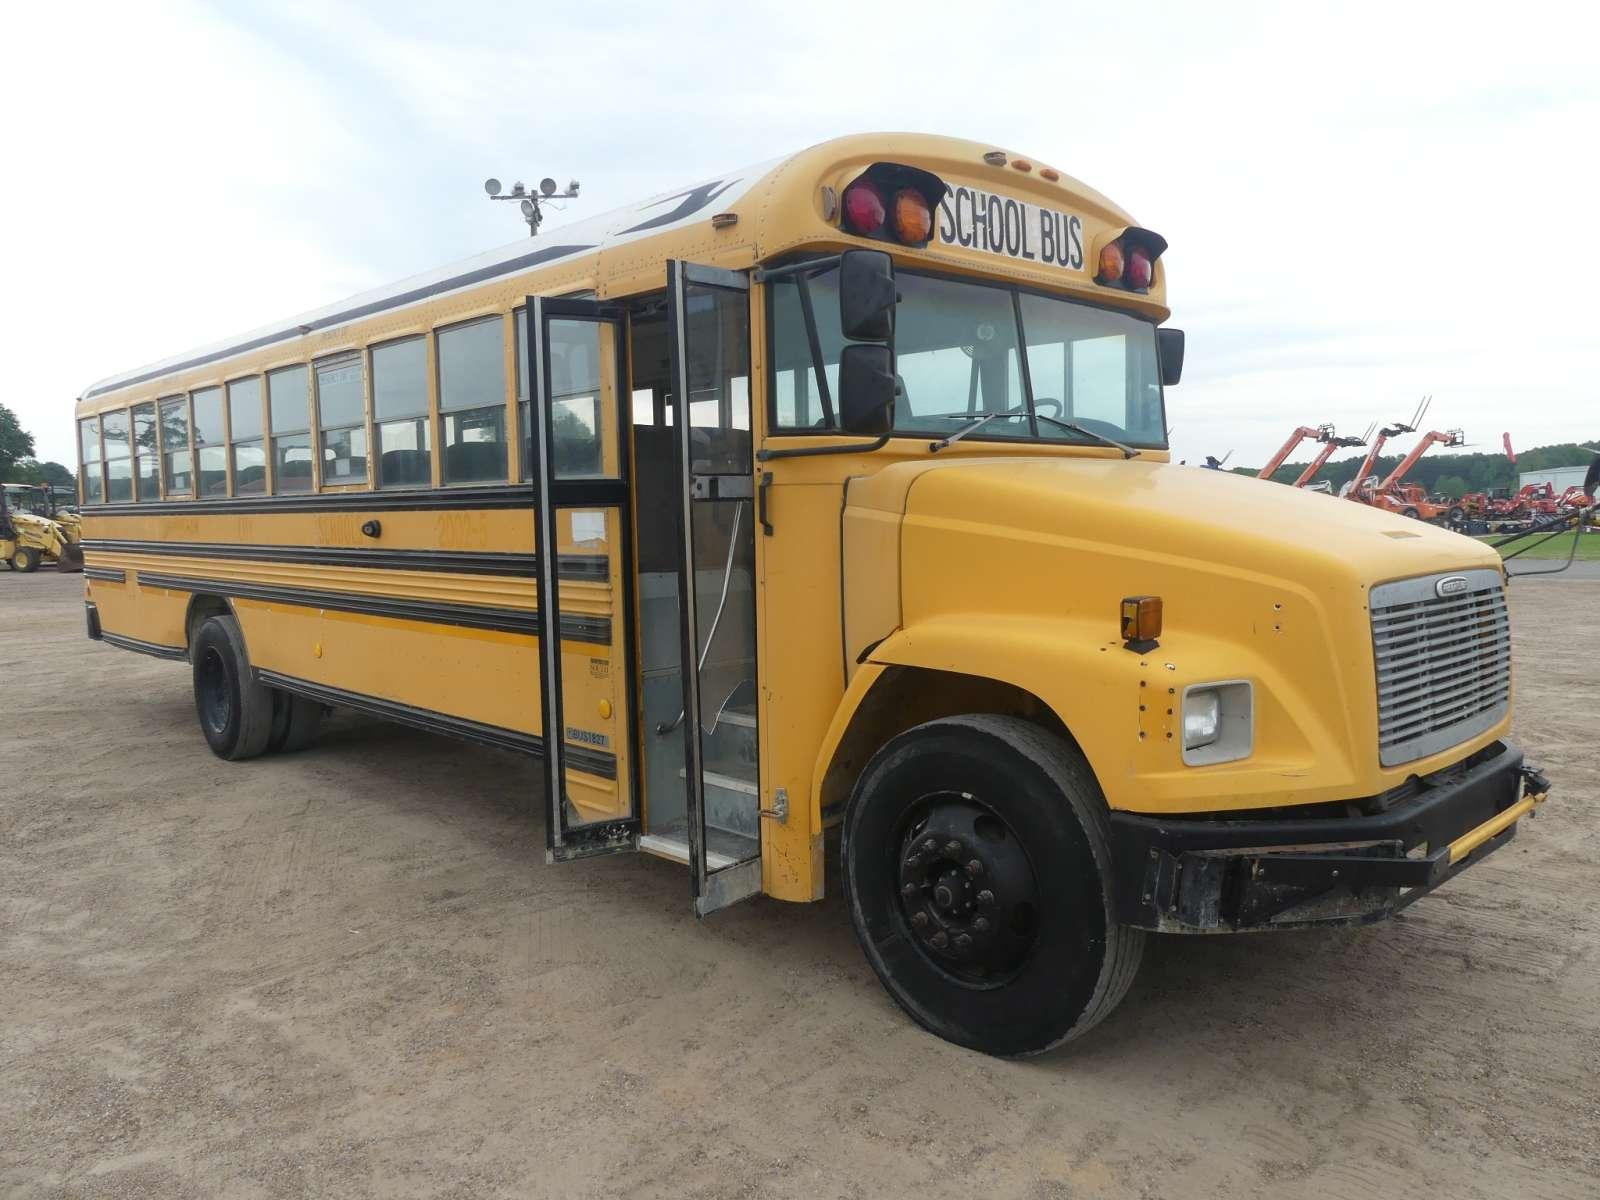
<point>986,897</point>
<point>939,941</point>
<point>981,924</point>
<point>930,844</point>
<point>909,890</point>
<point>953,847</point>
<point>963,942</point>
<point>919,919</point>
<point>974,867</point>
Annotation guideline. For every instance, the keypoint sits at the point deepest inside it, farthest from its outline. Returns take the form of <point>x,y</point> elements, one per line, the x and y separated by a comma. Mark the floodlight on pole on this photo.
<point>529,200</point>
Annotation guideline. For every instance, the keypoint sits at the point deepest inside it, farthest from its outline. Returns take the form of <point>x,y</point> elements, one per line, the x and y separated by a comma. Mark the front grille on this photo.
<point>1443,661</point>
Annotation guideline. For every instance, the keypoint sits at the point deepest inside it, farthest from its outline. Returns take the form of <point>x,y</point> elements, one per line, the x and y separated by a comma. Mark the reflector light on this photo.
<point>1141,619</point>
<point>1111,263</point>
<point>913,220</point>
<point>863,208</point>
<point>1139,269</point>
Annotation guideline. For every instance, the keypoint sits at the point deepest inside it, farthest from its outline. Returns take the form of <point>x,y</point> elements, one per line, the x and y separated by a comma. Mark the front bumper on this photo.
<point>1192,875</point>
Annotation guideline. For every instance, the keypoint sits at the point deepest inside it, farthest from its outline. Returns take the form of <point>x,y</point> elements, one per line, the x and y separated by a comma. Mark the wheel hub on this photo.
<point>967,889</point>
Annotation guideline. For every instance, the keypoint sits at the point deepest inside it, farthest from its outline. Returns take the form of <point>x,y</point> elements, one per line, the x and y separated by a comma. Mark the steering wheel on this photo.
<point>1041,401</point>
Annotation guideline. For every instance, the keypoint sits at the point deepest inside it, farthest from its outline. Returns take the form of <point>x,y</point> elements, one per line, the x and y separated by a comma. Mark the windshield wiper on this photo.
<point>965,429</point>
<point>1127,451</point>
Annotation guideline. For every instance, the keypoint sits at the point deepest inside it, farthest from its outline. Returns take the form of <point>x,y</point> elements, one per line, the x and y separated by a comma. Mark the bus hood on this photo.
<point>1138,513</point>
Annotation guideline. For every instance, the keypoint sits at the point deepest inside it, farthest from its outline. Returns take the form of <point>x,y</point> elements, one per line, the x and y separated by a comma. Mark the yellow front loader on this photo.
<point>28,537</point>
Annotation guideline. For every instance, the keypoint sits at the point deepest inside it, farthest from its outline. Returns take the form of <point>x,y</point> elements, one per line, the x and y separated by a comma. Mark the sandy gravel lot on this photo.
<point>349,973</point>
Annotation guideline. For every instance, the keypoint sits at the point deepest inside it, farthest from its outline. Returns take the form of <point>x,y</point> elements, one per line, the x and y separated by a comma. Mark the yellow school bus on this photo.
<point>829,494</point>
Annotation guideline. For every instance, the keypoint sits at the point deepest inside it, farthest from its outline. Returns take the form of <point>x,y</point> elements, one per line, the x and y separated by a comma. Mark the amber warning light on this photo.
<point>1141,622</point>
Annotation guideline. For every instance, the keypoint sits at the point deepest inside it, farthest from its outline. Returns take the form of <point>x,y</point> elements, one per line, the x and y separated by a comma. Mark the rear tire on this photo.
<point>295,722</point>
<point>235,710</point>
<point>1411,512</point>
<point>978,870</point>
<point>26,560</point>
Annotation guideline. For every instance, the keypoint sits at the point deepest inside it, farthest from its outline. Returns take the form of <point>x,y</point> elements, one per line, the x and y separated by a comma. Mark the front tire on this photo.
<point>235,710</point>
<point>977,867</point>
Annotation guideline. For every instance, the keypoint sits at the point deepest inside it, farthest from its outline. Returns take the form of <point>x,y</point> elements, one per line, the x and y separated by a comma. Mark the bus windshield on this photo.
<point>958,356</point>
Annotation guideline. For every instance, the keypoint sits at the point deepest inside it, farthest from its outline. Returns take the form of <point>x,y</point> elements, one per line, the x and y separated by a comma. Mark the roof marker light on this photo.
<point>1111,262</point>
<point>864,211</point>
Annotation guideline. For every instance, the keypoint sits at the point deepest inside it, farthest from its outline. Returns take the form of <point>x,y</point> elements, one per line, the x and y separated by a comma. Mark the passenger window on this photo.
<point>244,428</point>
<point>177,458</point>
<point>94,483</point>
<point>289,398</point>
<point>342,414</point>
<point>146,453</point>
<point>210,450</point>
<point>119,463</point>
<point>403,438</point>
<point>472,401</point>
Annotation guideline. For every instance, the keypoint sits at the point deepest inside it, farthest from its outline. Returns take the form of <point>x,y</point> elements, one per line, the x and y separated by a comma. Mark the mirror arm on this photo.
<point>814,451</point>
<point>810,315</point>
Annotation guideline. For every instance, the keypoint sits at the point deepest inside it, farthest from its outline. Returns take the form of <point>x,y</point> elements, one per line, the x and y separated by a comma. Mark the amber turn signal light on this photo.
<point>1141,621</point>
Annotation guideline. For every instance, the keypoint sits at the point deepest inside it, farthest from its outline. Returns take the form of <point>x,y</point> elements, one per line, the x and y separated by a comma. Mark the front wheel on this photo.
<point>977,867</point>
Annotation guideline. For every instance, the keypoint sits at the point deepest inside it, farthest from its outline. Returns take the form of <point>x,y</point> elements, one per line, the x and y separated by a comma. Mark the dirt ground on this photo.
<point>349,973</point>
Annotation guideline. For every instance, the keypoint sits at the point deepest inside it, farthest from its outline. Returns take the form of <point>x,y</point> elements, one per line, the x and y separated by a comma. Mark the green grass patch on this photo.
<point>1544,546</point>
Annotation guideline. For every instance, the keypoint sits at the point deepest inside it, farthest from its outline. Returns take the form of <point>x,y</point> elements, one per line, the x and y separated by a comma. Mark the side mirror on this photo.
<point>1169,346</point>
<point>866,295</point>
<point>866,389</point>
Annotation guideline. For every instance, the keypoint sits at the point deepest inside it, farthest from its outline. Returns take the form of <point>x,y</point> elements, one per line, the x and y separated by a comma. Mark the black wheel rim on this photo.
<point>216,697</point>
<point>966,890</point>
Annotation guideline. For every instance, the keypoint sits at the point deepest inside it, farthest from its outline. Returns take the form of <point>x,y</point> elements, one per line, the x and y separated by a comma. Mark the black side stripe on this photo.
<point>574,627</point>
<point>582,758</point>
<point>109,574</point>
<point>588,567</point>
<point>501,495</point>
<point>176,653</point>
<point>466,279</point>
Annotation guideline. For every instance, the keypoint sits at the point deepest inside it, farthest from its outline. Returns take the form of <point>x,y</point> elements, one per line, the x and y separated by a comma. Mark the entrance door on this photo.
<point>580,468</point>
<point>709,319</point>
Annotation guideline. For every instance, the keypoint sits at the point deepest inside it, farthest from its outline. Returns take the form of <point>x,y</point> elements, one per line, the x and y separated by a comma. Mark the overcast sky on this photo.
<point>1364,204</point>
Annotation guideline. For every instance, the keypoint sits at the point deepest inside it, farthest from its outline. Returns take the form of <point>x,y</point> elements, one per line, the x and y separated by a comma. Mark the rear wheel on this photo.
<point>235,710</point>
<point>295,722</point>
<point>26,560</point>
<point>977,866</point>
<point>1410,511</point>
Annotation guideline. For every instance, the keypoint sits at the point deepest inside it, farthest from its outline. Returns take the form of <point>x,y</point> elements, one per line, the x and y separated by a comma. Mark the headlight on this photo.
<point>1201,711</point>
<point>1218,722</point>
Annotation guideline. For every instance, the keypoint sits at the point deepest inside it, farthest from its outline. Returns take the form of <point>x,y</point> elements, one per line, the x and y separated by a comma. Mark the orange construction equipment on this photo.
<point>1358,489</point>
<point>1323,433</point>
<point>1328,447</point>
<point>1448,437</point>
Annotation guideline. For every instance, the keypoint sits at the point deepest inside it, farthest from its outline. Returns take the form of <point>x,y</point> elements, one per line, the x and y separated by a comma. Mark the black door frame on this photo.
<point>562,843</point>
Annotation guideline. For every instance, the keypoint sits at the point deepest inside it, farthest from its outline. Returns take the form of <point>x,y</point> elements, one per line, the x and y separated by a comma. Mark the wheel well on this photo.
<point>904,697</point>
<point>202,607</point>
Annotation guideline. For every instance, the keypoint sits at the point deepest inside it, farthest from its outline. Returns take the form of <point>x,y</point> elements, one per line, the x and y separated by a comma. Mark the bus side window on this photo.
<point>119,465</point>
<point>342,419</point>
<point>178,462</point>
<point>146,453</point>
<point>244,430</point>
<point>211,456</point>
<point>289,399</point>
<point>94,484</point>
<point>472,401</point>
<point>402,433</point>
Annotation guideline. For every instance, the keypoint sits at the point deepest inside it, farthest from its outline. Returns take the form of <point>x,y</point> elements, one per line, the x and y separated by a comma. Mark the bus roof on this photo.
<point>786,179</point>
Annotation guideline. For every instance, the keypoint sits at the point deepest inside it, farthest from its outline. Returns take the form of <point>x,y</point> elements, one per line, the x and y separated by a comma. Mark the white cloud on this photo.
<point>1365,202</point>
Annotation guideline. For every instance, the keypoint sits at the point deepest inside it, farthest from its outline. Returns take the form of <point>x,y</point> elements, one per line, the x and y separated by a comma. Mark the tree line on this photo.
<point>17,463</point>
<point>1454,475</point>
